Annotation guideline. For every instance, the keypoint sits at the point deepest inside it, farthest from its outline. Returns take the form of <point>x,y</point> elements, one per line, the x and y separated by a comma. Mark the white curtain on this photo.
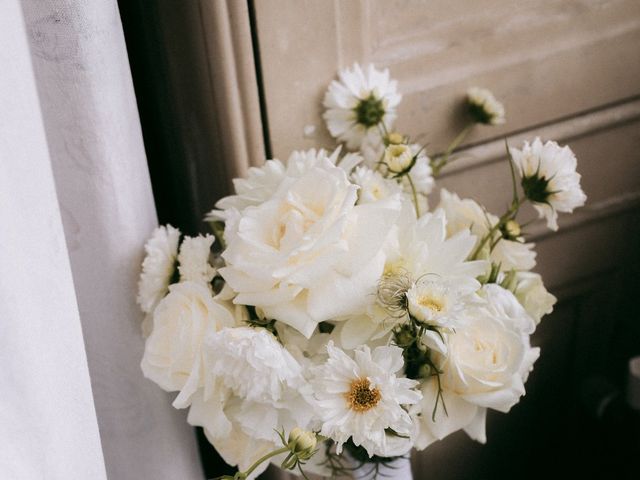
<point>75,210</point>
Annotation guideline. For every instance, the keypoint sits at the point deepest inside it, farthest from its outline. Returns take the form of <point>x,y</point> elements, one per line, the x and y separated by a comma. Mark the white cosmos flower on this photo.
<point>466,214</point>
<point>359,103</point>
<point>173,351</point>
<point>438,302</point>
<point>361,397</point>
<point>535,299</point>
<point>158,267</point>
<point>483,106</point>
<point>549,178</point>
<point>487,362</point>
<point>193,260</point>
<point>306,244</point>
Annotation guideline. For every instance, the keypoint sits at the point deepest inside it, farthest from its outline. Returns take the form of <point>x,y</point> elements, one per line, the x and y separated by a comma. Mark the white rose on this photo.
<point>535,299</point>
<point>487,363</point>
<point>307,244</point>
<point>172,354</point>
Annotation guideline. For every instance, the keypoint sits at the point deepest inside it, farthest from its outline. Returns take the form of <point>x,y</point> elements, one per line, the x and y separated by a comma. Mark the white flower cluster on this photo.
<point>342,305</point>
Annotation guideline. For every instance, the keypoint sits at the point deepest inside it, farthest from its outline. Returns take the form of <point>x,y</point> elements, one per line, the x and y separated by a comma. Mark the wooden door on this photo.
<point>566,70</point>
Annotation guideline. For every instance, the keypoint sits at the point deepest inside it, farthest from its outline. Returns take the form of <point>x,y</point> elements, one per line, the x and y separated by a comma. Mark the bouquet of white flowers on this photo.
<point>334,319</point>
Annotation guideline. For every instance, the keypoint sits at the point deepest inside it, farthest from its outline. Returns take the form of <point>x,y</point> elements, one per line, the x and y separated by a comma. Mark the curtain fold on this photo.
<point>76,209</point>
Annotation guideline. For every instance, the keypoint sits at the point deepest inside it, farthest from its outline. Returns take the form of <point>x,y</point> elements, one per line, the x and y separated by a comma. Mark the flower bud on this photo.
<point>395,138</point>
<point>511,230</point>
<point>483,107</point>
<point>398,158</point>
<point>302,443</point>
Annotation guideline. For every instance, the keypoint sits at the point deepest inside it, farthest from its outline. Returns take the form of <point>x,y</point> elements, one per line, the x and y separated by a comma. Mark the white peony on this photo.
<point>535,299</point>
<point>250,363</point>
<point>466,214</point>
<point>158,267</point>
<point>362,397</point>
<point>172,353</point>
<point>306,244</point>
<point>193,260</point>
<point>360,105</point>
<point>549,178</point>
<point>251,387</point>
<point>483,106</point>
<point>487,362</point>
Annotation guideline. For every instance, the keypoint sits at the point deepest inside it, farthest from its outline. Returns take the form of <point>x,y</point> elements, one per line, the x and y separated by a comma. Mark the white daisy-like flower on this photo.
<point>359,104</point>
<point>484,108</point>
<point>158,267</point>
<point>437,302</point>
<point>549,178</point>
<point>193,260</point>
<point>510,252</point>
<point>363,397</point>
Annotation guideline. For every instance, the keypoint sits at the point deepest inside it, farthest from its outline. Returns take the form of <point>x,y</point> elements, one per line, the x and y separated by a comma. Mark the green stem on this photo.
<point>415,195</point>
<point>509,215</point>
<point>263,459</point>
<point>444,159</point>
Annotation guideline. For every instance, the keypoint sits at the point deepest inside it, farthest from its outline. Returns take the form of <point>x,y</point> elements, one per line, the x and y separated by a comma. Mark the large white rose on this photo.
<point>487,363</point>
<point>308,254</point>
<point>172,354</point>
<point>535,299</point>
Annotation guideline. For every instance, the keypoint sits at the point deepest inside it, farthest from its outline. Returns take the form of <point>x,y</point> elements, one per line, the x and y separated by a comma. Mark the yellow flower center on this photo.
<point>431,303</point>
<point>361,396</point>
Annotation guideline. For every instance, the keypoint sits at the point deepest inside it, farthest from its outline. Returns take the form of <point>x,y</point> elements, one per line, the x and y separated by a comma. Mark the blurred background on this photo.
<point>222,85</point>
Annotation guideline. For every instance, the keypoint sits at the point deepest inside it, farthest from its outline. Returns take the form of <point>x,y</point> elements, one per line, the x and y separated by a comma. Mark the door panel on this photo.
<point>567,71</point>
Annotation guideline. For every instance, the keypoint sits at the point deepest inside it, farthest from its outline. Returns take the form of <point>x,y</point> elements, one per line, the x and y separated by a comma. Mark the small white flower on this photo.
<point>158,267</point>
<point>535,299</point>
<point>359,104</point>
<point>172,353</point>
<point>437,302</point>
<point>466,214</point>
<point>193,260</point>
<point>361,398</point>
<point>549,178</point>
<point>483,106</point>
<point>373,186</point>
<point>398,158</point>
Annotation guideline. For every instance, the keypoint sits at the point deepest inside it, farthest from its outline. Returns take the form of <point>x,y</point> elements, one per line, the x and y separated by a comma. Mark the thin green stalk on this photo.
<point>263,459</point>
<point>415,195</point>
<point>444,159</point>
